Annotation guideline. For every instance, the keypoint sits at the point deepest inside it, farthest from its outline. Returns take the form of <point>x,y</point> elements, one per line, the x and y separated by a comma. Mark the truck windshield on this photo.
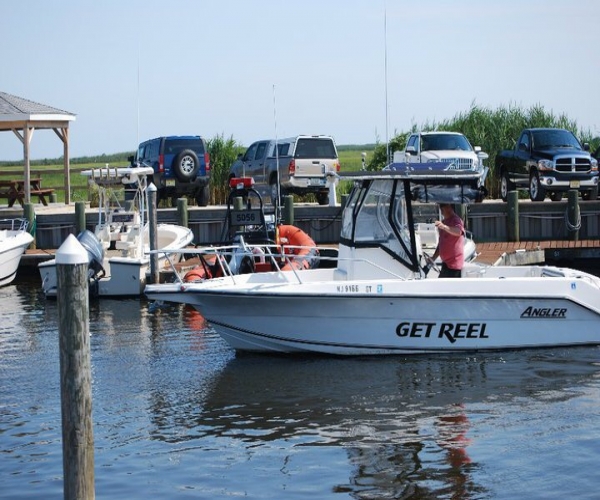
<point>444,142</point>
<point>552,139</point>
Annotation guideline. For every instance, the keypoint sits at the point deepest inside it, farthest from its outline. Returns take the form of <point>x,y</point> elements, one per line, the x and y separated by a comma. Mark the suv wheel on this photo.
<point>185,165</point>
<point>203,196</point>
<point>536,191</point>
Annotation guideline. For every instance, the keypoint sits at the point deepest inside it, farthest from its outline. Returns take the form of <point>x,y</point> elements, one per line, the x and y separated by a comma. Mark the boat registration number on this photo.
<point>245,217</point>
<point>574,184</point>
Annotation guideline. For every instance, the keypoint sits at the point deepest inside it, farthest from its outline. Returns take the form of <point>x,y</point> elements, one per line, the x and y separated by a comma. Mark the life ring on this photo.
<point>302,257</point>
<point>207,269</point>
<point>197,274</point>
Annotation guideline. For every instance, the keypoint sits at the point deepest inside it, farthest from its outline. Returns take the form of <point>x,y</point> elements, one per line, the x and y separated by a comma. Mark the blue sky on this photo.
<point>256,69</point>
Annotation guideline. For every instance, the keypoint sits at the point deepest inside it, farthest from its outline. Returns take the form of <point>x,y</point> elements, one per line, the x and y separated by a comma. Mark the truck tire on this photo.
<point>556,195</point>
<point>506,186</point>
<point>273,191</point>
<point>537,192</point>
<point>323,197</point>
<point>186,165</point>
<point>203,196</point>
<point>592,194</point>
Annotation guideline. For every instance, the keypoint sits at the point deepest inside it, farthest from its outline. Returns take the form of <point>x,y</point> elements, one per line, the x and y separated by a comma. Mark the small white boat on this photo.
<point>118,248</point>
<point>378,299</point>
<point>14,239</point>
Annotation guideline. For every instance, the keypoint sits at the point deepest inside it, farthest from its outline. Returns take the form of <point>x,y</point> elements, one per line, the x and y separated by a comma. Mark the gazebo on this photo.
<point>23,117</point>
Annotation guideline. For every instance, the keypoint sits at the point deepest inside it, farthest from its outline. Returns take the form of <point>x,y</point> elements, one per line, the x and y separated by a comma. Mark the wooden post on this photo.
<point>80,216</point>
<point>75,370</point>
<point>344,199</point>
<point>512,216</point>
<point>153,232</point>
<point>573,215</point>
<point>288,209</point>
<point>238,203</point>
<point>461,210</point>
<point>53,198</point>
<point>182,212</point>
<point>29,213</point>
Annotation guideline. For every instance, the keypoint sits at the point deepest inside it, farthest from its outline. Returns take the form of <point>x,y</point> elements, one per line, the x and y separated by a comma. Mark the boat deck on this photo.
<point>525,252</point>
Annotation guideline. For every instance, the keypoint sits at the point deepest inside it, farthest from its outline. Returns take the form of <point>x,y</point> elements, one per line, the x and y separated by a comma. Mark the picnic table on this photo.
<point>14,190</point>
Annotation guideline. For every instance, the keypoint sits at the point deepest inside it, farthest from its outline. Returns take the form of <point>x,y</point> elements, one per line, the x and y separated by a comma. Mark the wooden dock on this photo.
<point>556,251</point>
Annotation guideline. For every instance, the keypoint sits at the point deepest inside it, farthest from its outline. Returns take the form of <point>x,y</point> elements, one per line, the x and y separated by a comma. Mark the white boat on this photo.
<point>378,299</point>
<point>118,248</point>
<point>14,239</point>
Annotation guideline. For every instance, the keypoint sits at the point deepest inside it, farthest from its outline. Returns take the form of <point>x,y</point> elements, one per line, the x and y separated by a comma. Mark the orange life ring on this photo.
<point>304,257</point>
<point>197,274</point>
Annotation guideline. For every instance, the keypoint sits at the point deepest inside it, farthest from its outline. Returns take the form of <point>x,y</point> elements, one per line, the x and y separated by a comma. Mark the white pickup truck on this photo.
<point>449,147</point>
<point>298,165</point>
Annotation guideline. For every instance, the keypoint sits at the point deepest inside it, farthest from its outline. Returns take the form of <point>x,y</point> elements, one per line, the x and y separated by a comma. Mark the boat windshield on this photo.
<point>376,214</point>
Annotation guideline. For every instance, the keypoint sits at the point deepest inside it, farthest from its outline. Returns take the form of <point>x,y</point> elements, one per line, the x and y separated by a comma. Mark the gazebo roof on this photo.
<point>14,109</point>
<point>23,117</point>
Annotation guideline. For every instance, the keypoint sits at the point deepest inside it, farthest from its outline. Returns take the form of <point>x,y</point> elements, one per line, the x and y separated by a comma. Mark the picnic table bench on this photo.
<point>14,190</point>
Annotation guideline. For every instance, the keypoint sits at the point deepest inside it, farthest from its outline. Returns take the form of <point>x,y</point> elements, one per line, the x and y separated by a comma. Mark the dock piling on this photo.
<point>75,370</point>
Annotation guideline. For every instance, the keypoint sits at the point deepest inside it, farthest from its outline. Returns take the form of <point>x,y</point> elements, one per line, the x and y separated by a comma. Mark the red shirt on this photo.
<point>452,248</point>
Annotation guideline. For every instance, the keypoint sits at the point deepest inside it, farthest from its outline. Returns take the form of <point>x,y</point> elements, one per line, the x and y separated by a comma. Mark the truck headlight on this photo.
<point>545,165</point>
<point>594,164</point>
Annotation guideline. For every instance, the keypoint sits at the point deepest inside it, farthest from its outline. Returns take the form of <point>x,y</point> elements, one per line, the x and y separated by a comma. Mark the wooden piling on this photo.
<point>80,216</point>
<point>182,212</point>
<point>288,209</point>
<point>75,370</point>
<point>29,214</point>
<point>153,232</point>
<point>573,216</point>
<point>512,216</point>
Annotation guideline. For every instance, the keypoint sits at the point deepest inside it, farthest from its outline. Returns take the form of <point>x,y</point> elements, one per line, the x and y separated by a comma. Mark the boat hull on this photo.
<point>12,248</point>
<point>397,318</point>
<point>125,276</point>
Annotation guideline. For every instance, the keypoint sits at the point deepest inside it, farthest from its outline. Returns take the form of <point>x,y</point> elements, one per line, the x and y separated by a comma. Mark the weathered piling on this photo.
<point>573,221</point>
<point>182,212</point>
<point>288,209</point>
<point>75,370</point>
<point>153,232</point>
<point>29,214</point>
<point>79,216</point>
<point>512,216</point>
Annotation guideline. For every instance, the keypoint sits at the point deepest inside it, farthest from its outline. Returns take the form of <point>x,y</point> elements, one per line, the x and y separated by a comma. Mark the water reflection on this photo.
<point>404,423</point>
<point>174,405</point>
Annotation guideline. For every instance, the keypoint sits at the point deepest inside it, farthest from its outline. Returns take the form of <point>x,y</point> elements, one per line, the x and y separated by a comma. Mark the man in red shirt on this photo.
<point>451,246</point>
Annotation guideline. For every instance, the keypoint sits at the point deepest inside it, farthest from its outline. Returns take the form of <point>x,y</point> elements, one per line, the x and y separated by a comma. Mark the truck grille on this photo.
<point>573,164</point>
<point>459,163</point>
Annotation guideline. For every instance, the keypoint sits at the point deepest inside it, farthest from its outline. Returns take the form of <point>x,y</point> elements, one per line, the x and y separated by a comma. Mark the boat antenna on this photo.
<point>387,139</point>
<point>277,202</point>
<point>138,96</point>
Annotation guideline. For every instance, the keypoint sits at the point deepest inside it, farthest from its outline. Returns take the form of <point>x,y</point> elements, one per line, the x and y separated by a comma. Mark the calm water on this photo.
<point>177,414</point>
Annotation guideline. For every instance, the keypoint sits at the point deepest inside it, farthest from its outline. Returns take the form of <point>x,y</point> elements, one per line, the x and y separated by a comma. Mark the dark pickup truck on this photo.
<point>548,161</point>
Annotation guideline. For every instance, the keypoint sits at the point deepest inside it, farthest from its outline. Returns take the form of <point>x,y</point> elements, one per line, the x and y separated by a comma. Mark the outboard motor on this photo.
<point>95,252</point>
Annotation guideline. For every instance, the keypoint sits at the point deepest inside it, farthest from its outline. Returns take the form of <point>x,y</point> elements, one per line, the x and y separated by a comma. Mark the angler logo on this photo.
<point>544,312</point>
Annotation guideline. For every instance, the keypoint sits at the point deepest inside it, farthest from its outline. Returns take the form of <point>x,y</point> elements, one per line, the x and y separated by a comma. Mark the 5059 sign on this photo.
<point>245,217</point>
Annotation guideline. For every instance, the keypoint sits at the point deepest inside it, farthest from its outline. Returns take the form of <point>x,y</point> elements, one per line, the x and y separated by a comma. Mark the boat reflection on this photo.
<point>404,422</point>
